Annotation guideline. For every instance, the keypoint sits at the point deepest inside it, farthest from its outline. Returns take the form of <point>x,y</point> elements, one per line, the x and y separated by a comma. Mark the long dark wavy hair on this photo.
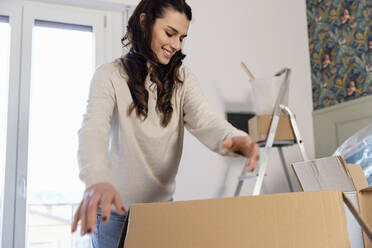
<point>134,62</point>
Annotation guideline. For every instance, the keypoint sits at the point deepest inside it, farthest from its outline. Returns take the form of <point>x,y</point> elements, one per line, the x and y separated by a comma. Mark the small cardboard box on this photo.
<point>259,126</point>
<point>291,220</point>
<point>332,173</point>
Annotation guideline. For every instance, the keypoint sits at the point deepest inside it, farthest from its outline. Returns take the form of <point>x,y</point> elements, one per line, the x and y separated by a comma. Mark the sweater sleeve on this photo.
<point>94,133</point>
<point>202,121</point>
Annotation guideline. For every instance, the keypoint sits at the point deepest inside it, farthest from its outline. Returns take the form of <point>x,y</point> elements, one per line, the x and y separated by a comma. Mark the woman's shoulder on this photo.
<point>184,72</point>
<point>113,68</point>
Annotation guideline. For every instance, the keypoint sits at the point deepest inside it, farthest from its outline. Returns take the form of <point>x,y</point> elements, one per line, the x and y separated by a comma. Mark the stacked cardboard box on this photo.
<point>259,126</point>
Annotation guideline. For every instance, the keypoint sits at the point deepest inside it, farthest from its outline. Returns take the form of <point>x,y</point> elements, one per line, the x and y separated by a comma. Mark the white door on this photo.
<point>48,54</point>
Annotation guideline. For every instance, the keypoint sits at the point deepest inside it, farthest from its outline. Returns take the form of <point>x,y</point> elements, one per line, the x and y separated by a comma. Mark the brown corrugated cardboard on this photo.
<point>357,175</point>
<point>311,219</point>
<point>354,228</point>
<point>365,209</point>
<point>360,220</point>
<point>333,173</point>
<point>260,124</point>
<point>364,195</point>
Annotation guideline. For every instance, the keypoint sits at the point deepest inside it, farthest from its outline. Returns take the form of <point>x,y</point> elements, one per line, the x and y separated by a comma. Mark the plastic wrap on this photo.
<point>265,92</point>
<point>357,149</point>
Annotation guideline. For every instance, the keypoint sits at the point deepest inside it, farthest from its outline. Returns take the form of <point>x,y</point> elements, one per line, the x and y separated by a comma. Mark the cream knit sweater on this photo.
<point>139,157</point>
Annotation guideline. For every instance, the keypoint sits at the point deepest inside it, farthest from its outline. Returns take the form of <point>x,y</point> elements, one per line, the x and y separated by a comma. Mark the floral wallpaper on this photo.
<point>340,43</point>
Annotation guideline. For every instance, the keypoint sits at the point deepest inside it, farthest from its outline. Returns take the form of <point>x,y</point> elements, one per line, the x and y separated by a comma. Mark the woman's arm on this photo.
<point>94,132</point>
<point>210,128</point>
<point>93,154</point>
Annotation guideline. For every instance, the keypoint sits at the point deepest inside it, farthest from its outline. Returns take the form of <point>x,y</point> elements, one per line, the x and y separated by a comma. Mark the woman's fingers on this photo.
<point>76,218</point>
<point>83,213</point>
<point>240,144</point>
<point>119,204</point>
<point>92,213</point>
<point>106,202</point>
<point>99,195</point>
<point>245,146</point>
<point>254,157</point>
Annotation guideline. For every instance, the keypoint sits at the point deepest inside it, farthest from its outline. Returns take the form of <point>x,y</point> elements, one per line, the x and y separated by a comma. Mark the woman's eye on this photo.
<point>168,34</point>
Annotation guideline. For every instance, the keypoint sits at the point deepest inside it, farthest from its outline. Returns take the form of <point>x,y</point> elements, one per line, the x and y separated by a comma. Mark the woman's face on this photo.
<point>168,33</point>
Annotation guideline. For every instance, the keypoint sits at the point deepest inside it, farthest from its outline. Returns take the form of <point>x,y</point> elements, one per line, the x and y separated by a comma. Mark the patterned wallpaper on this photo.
<point>340,43</point>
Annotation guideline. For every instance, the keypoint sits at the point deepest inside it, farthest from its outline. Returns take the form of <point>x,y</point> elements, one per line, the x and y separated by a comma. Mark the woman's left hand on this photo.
<point>246,147</point>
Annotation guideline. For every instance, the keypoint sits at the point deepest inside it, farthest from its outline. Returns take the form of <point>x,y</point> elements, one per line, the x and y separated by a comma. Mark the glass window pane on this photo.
<point>61,68</point>
<point>4,84</point>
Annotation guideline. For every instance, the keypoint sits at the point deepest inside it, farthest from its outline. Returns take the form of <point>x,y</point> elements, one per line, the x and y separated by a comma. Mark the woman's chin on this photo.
<point>164,61</point>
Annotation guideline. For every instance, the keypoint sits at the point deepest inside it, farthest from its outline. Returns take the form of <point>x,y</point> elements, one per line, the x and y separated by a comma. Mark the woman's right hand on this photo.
<point>98,195</point>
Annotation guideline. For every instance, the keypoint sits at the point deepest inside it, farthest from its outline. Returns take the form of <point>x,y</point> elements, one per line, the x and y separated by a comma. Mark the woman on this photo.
<point>130,143</point>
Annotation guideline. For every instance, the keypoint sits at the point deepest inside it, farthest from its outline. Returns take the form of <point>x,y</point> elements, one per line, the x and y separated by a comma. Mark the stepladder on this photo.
<point>259,173</point>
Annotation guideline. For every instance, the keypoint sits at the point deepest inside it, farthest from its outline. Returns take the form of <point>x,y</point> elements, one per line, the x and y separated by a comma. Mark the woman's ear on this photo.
<point>142,21</point>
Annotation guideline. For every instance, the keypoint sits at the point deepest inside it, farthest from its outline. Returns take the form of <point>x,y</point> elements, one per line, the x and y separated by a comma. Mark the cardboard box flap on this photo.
<point>366,189</point>
<point>365,210</point>
<point>362,222</point>
<point>323,174</point>
<point>312,219</point>
<point>357,175</point>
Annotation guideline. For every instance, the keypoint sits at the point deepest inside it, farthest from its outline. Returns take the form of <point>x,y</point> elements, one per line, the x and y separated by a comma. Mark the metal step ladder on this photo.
<point>260,170</point>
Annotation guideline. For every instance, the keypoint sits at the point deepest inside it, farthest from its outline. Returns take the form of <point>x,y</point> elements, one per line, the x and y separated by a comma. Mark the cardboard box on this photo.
<point>259,127</point>
<point>291,220</point>
<point>333,173</point>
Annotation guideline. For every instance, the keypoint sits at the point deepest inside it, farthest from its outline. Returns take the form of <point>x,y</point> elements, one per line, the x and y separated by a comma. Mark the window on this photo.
<point>61,69</point>
<point>4,86</point>
<point>45,74</point>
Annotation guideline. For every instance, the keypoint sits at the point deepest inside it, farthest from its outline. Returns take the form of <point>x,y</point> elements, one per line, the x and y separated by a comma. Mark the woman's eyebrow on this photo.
<point>175,30</point>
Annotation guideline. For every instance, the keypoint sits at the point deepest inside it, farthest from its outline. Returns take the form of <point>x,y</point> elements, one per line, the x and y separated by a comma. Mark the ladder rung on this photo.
<point>248,176</point>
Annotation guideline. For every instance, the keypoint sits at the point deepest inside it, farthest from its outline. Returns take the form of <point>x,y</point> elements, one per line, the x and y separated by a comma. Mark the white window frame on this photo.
<point>107,28</point>
<point>14,13</point>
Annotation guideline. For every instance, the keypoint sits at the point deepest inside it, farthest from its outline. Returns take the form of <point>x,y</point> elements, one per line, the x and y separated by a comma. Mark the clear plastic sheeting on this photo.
<point>357,149</point>
<point>265,92</point>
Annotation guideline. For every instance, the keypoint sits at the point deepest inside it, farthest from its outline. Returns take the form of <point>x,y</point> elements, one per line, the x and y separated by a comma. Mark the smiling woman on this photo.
<point>166,39</point>
<point>157,32</point>
<point>131,139</point>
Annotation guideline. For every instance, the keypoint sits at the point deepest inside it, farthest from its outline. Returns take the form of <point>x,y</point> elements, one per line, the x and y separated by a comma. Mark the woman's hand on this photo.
<point>98,195</point>
<point>246,147</point>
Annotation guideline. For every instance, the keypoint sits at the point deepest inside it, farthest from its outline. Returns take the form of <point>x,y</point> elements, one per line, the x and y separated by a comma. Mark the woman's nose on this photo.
<point>176,44</point>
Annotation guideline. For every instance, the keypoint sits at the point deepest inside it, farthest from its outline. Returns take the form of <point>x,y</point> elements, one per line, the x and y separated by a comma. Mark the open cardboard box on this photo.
<point>332,173</point>
<point>302,219</point>
<point>259,126</point>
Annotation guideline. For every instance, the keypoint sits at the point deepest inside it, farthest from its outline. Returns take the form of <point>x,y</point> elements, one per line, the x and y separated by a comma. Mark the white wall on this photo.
<point>267,35</point>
